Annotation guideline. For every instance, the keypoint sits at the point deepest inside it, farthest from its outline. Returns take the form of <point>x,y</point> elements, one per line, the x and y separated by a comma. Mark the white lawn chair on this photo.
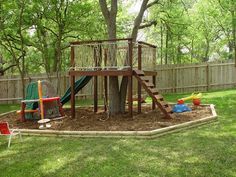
<point>5,131</point>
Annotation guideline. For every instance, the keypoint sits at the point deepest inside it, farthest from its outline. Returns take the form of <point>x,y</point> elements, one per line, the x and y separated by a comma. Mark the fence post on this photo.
<point>175,77</point>
<point>207,77</point>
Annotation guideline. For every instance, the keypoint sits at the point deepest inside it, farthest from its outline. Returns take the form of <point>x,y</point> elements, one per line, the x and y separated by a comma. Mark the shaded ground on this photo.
<point>87,120</point>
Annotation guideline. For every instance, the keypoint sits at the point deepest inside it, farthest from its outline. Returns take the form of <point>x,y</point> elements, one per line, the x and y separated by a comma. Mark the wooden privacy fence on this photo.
<point>195,77</point>
<point>11,86</point>
<point>170,79</point>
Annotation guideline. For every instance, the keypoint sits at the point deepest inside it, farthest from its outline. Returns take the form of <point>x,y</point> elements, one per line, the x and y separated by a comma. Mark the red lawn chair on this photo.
<point>5,131</point>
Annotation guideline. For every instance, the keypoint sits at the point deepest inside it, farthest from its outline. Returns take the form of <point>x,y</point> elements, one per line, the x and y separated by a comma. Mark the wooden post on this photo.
<point>154,83</point>
<point>130,79</point>
<point>175,76</point>
<point>154,77</point>
<point>154,58</point>
<point>23,105</point>
<point>105,93</point>
<point>139,85</point>
<point>207,76</point>
<point>105,82</point>
<point>95,93</point>
<point>174,79</point>
<point>95,85</point>
<point>72,83</point>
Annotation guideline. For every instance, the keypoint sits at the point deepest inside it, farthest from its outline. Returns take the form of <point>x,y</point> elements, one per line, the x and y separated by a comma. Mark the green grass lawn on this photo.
<point>209,150</point>
<point>9,107</point>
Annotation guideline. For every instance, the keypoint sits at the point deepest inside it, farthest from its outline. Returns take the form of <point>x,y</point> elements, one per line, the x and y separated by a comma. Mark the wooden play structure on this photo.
<point>118,57</point>
<point>40,100</point>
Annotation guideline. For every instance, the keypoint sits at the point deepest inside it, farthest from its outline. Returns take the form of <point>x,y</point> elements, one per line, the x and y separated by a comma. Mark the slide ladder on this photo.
<point>154,93</point>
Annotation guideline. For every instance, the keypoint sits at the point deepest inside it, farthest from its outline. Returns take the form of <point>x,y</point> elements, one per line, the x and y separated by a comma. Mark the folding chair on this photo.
<point>5,131</point>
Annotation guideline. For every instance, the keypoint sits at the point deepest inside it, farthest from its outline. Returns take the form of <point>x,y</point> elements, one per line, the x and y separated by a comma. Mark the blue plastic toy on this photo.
<point>178,108</point>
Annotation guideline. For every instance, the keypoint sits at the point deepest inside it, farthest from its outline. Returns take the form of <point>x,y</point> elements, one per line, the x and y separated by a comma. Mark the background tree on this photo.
<point>13,35</point>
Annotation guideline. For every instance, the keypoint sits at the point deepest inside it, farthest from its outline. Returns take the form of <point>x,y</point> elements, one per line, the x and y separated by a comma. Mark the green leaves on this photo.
<point>203,28</point>
<point>47,27</point>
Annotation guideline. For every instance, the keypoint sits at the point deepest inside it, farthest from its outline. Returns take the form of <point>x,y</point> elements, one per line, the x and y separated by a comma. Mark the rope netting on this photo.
<point>112,55</point>
<point>106,55</point>
<point>148,58</point>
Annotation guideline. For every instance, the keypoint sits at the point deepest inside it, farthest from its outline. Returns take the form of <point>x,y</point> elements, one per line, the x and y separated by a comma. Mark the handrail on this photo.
<point>145,43</point>
<point>99,41</point>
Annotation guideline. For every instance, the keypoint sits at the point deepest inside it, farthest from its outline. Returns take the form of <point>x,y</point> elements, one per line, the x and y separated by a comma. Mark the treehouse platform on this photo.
<point>118,57</point>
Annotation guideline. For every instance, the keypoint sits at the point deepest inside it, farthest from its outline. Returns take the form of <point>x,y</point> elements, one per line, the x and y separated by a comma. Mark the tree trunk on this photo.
<point>22,71</point>
<point>134,34</point>
<point>161,43</point>
<point>234,28</point>
<point>206,56</point>
<point>231,49</point>
<point>117,98</point>
<point>22,76</point>
<point>58,57</point>
<point>192,49</point>
<point>110,19</point>
<point>167,45</point>
<point>178,58</point>
<point>114,96</point>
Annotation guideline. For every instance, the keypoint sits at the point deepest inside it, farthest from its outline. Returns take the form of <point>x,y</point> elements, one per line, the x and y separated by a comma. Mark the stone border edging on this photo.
<point>6,113</point>
<point>122,134</point>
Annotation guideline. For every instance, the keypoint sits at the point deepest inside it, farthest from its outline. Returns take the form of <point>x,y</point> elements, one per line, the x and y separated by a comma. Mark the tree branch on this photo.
<point>113,11</point>
<point>148,24</point>
<point>104,9</point>
<point>70,36</point>
<point>2,71</point>
<point>65,47</point>
<point>138,19</point>
<point>50,30</point>
<point>152,3</point>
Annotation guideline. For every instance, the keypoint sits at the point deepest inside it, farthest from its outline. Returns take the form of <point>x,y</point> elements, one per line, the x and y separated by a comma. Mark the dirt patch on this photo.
<point>87,120</point>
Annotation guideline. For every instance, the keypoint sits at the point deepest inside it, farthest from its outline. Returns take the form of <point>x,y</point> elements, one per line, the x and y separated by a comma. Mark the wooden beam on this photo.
<point>150,73</point>
<point>139,85</point>
<point>98,41</point>
<point>154,83</point>
<point>130,80</point>
<point>127,72</point>
<point>72,84</point>
<point>145,43</point>
<point>95,94</point>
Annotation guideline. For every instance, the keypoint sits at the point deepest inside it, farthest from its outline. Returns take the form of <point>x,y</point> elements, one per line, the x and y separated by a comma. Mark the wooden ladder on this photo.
<point>154,93</point>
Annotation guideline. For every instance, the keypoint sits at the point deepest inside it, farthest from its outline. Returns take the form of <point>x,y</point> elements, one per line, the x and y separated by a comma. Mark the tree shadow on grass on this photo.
<point>209,150</point>
<point>184,154</point>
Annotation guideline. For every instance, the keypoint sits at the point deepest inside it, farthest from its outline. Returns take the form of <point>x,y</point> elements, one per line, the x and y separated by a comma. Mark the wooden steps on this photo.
<point>154,93</point>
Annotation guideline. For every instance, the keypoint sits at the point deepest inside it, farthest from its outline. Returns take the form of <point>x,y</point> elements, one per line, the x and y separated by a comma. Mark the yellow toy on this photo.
<point>195,97</point>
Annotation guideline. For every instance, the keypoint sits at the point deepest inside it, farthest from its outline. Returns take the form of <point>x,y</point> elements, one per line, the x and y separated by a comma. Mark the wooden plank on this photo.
<point>154,90</point>
<point>168,109</point>
<point>159,97</point>
<point>145,78</point>
<point>102,73</point>
<point>148,84</point>
<point>139,72</point>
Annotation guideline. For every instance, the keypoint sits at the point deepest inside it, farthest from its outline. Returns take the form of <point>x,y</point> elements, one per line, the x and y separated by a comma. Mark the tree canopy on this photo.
<point>35,35</point>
